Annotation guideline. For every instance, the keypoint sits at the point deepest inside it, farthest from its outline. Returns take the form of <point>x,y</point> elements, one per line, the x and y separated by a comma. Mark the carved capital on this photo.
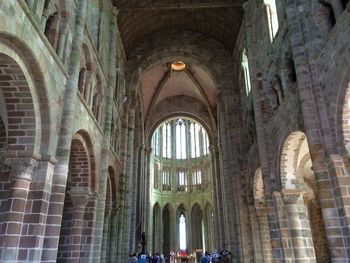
<point>291,196</point>
<point>22,168</point>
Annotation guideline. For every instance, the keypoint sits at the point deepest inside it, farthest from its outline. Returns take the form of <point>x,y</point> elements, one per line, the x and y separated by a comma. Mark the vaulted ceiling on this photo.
<point>217,19</point>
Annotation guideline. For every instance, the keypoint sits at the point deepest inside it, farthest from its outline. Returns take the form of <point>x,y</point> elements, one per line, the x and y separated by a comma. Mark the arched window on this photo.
<point>155,143</point>
<point>182,232</point>
<point>245,66</point>
<point>166,177</point>
<point>166,133</point>
<point>197,177</point>
<point>180,139</point>
<point>272,17</point>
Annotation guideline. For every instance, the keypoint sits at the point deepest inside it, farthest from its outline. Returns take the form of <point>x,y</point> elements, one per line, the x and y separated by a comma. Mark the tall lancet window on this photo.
<point>181,139</point>
<point>245,66</point>
<point>182,232</point>
<point>272,17</point>
<point>166,130</point>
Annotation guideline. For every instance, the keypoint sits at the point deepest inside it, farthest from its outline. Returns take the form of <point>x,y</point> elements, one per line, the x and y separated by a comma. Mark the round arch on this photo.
<point>259,194</point>
<point>189,116</point>
<point>294,149</point>
<point>83,142</point>
<point>26,78</point>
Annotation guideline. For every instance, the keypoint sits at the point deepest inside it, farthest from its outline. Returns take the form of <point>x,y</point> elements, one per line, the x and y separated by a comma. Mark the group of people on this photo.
<point>145,258</point>
<point>216,257</point>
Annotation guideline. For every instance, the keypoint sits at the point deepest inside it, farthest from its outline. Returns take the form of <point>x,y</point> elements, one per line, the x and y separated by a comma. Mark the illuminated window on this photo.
<point>181,139</point>
<point>245,66</point>
<point>182,180</point>
<point>166,132</point>
<point>182,232</point>
<point>272,17</point>
<point>197,177</point>
<point>166,177</point>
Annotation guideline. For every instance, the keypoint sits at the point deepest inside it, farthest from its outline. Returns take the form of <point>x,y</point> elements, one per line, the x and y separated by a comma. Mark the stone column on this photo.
<point>65,134</point>
<point>217,202</point>
<point>106,139</point>
<point>147,206</point>
<point>281,246</point>
<point>256,237</point>
<point>125,230</point>
<point>264,231</point>
<point>299,226</point>
<point>12,229</point>
<point>113,235</point>
<point>106,236</point>
<point>315,121</point>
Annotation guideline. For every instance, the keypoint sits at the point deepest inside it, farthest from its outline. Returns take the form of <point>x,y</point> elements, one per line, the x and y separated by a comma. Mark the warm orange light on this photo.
<point>178,66</point>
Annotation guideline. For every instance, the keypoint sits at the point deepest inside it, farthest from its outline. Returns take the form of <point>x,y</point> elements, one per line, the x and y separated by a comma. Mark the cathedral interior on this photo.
<point>175,125</point>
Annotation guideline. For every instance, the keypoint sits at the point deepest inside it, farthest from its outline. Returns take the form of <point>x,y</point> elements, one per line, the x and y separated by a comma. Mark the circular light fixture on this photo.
<point>178,66</point>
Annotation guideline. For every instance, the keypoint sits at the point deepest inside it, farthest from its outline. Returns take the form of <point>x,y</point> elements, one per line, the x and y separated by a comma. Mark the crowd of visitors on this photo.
<point>214,257</point>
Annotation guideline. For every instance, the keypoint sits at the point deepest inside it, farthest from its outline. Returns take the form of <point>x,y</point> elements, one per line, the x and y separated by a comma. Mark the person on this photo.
<point>143,258</point>
<point>216,257</point>
<point>134,258</point>
<point>130,258</point>
<point>205,257</point>
<point>155,258</point>
<point>225,256</point>
<point>172,257</point>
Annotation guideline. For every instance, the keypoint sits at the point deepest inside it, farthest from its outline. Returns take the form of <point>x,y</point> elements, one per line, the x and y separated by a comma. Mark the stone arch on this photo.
<point>297,174</point>
<point>293,149</point>
<point>259,194</point>
<point>288,72</point>
<point>79,208</point>
<point>3,135</point>
<point>273,93</point>
<point>83,141</point>
<point>156,227</point>
<point>109,205</point>
<point>167,217</point>
<point>181,210</point>
<point>197,217</point>
<point>85,73</point>
<point>324,16</point>
<point>208,227</point>
<point>98,99</point>
<point>160,118</point>
<point>343,119</point>
<point>25,100</point>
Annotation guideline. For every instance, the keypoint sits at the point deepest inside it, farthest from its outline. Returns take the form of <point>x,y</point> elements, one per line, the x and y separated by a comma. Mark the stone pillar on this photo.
<point>282,249</point>
<point>125,230</point>
<point>65,134</point>
<point>74,247</point>
<point>113,235</point>
<point>299,226</point>
<point>147,217</point>
<point>106,236</point>
<point>217,204</point>
<point>256,237</point>
<point>264,230</point>
<point>12,229</point>
<point>106,139</point>
<point>314,112</point>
